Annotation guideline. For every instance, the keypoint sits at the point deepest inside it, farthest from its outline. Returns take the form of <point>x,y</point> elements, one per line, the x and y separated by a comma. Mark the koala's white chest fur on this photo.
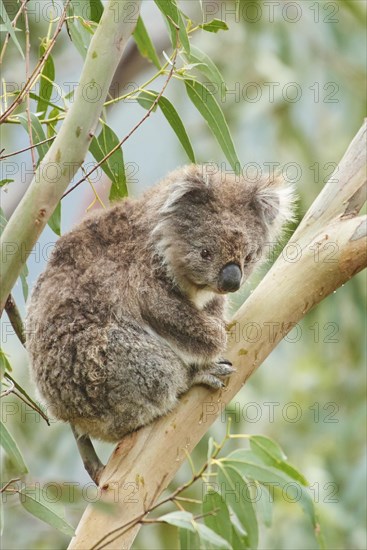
<point>202,297</point>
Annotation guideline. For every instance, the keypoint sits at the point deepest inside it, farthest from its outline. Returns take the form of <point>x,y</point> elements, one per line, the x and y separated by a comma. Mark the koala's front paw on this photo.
<point>210,375</point>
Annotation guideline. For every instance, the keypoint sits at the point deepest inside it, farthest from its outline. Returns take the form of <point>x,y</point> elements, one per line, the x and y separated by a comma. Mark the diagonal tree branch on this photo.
<point>67,152</point>
<point>328,248</point>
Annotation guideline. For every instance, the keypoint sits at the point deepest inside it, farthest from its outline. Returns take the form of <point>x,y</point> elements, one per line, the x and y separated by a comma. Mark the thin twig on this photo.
<point>37,70</point>
<point>149,112</point>
<point>19,392</point>
<point>8,390</point>
<point>9,483</point>
<point>28,101</point>
<point>2,157</point>
<point>32,406</point>
<point>15,318</point>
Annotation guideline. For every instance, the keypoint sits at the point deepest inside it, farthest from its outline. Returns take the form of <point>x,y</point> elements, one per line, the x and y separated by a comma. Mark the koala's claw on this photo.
<point>224,361</point>
<point>208,380</point>
<point>221,368</point>
<point>212,374</point>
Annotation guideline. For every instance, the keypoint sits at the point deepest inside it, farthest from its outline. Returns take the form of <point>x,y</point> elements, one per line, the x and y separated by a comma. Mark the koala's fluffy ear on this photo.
<point>274,199</point>
<point>189,183</point>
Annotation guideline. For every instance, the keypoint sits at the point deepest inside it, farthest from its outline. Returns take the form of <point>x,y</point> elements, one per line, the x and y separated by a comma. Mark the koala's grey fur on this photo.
<point>128,314</point>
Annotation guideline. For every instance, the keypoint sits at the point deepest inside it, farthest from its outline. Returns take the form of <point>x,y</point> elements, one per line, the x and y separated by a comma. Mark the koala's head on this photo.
<point>212,228</point>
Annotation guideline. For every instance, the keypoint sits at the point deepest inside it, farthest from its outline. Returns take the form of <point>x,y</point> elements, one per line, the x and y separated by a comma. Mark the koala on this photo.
<point>130,311</point>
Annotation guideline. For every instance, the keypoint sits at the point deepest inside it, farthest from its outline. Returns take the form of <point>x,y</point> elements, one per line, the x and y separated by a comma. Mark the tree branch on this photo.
<point>67,152</point>
<point>150,457</point>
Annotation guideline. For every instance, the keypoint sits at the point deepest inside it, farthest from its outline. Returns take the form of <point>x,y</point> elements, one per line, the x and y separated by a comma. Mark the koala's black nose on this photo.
<point>229,278</point>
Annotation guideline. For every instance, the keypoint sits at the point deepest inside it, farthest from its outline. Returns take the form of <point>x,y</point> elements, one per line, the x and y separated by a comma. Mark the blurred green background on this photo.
<point>296,78</point>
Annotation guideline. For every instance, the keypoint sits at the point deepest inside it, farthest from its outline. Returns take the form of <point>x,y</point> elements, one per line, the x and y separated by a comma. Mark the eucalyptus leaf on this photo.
<point>147,99</point>
<point>38,134</point>
<point>209,109</point>
<point>144,43</point>
<point>12,450</point>
<point>248,467</point>
<point>55,220</point>
<point>23,279</point>
<point>264,504</point>
<point>47,75</point>
<point>188,539</point>
<point>202,62</point>
<point>33,500</point>
<point>4,364</point>
<point>214,26</point>
<point>96,10</point>
<point>272,455</point>
<point>9,27</point>
<point>79,28</point>
<point>210,537</point>
<point>216,515</point>
<point>236,492</point>
<point>171,11</point>
<point>114,166</point>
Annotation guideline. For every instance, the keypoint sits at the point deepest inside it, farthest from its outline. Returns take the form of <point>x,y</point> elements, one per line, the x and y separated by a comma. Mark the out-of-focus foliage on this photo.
<point>295,79</point>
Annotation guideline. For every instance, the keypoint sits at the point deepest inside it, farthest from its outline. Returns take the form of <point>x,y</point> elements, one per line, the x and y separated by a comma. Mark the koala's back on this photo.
<point>83,300</point>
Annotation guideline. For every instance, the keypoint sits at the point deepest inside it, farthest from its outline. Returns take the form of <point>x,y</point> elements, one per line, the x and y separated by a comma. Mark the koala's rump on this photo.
<point>108,377</point>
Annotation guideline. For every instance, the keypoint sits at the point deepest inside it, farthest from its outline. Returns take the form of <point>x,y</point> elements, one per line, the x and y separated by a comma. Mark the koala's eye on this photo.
<point>249,257</point>
<point>205,254</point>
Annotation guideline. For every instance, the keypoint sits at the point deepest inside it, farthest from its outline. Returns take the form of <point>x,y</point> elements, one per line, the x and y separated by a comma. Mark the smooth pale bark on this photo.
<point>72,142</point>
<point>328,248</point>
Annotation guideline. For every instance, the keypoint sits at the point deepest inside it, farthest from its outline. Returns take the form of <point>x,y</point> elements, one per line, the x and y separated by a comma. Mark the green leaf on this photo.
<point>37,133</point>
<point>249,465</point>
<point>170,10</point>
<point>51,128</point>
<point>264,504</point>
<point>214,26</point>
<point>209,109</point>
<point>236,492</point>
<point>173,118</point>
<point>36,97</point>
<point>188,539</point>
<point>239,540</point>
<point>49,512</point>
<point>79,28</point>
<point>185,520</point>
<point>271,454</point>
<point>10,29</point>
<point>147,98</point>
<point>217,515</point>
<point>23,279</point>
<point>5,366</point>
<point>268,446</point>
<point>12,450</point>
<point>144,43</point>
<point>54,221</point>
<point>5,182</point>
<point>176,124</point>
<point>3,220</point>
<point>179,519</point>
<point>210,537</point>
<point>96,10</point>
<point>47,75</point>
<point>203,63</point>
<point>114,166</point>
